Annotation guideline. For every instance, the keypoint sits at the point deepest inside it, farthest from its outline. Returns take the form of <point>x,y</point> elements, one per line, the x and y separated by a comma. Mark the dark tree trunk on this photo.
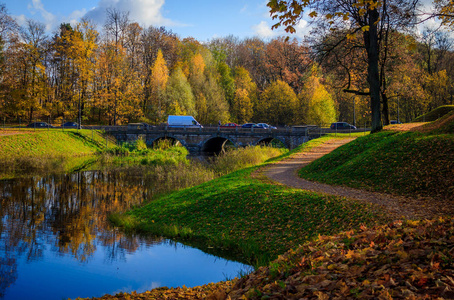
<point>371,43</point>
<point>385,109</point>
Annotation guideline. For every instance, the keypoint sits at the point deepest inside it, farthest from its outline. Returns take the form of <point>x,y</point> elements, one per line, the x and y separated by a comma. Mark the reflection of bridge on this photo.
<point>213,139</point>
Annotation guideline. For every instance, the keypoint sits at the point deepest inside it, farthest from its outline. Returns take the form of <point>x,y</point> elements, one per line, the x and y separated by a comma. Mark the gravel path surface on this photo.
<point>285,172</point>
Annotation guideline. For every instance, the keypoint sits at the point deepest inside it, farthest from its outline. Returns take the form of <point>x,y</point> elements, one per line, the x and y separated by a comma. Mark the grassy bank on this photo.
<point>253,220</point>
<point>435,114</point>
<point>24,153</point>
<point>403,163</point>
<point>51,143</point>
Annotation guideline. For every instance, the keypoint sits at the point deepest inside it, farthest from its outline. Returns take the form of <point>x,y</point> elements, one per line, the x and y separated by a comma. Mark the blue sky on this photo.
<point>201,19</point>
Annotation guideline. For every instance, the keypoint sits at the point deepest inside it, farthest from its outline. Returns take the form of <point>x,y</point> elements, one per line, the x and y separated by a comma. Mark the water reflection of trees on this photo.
<point>67,214</point>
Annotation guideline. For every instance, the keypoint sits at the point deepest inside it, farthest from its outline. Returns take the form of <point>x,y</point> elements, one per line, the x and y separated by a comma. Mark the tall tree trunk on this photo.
<point>385,110</point>
<point>371,42</point>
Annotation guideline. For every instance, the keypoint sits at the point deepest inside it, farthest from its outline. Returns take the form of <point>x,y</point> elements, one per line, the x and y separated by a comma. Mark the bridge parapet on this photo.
<point>212,139</point>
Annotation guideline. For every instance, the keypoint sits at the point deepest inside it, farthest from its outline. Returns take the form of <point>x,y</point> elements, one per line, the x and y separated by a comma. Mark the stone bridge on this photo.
<point>213,139</point>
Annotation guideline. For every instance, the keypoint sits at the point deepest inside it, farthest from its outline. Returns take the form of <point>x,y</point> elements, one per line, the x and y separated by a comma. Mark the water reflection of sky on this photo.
<point>61,277</point>
<point>56,243</point>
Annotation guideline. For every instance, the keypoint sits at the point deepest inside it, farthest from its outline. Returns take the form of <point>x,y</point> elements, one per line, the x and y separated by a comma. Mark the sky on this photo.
<point>200,19</point>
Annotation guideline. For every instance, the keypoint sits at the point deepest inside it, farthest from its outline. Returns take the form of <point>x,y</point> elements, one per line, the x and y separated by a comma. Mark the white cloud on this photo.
<point>75,16</point>
<point>302,29</point>
<point>49,19</point>
<point>21,20</point>
<point>264,30</point>
<point>146,12</point>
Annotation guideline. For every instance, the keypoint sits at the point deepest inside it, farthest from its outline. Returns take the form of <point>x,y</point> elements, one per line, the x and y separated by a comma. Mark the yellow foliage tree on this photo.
<point>277,104</point>
<point>317,105</point>
<point>242,105</point>
<point>158,83</point>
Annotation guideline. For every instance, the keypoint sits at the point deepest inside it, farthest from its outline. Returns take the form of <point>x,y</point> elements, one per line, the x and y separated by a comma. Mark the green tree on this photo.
<point>317,105</point>
<point>277,104</point>
<point>178,95</point>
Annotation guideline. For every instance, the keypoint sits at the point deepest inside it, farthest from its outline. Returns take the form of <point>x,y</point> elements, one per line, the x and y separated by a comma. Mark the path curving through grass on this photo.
<point>399,207</point>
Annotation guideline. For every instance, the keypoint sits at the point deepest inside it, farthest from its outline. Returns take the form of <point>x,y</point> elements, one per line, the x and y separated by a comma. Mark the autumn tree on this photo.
<point>370,18</point>
<point>178,95</point>
<point>277,104</point>
<point>245,96</point>
<point>32,74</point>
<point>287,61</point>
<point>115,28</point>
<point>8,27</point>
<point>158,83</point>
<point>316,103</point>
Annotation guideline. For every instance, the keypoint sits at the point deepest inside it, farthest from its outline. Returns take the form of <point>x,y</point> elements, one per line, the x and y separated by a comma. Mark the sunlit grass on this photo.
<point>405,163</point>
<point>254,221</point>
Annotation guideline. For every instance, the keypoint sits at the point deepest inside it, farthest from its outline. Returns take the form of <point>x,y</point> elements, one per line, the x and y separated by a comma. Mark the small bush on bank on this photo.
<point>243,158</point>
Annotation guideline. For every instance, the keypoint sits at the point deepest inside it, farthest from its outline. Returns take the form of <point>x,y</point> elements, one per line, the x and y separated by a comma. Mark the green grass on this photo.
<point>405,163</point>
<point>40,151</point>
<point>435,114</point>
<point>442,125</point>
<point>52,143</point>
<point>252,220</point>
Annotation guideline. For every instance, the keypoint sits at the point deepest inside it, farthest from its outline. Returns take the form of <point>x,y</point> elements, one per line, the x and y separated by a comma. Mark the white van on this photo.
<point>183,122</point>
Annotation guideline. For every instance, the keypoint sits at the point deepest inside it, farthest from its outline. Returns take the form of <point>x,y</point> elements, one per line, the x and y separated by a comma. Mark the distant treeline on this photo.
<point>127,73</point>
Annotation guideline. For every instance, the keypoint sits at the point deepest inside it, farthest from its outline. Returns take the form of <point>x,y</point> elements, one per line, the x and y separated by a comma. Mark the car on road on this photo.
<point>392,122</point>
<point>39,125</point>
<point>342,125</point>
<point>230,125</point>
<point>71,125</point>
<point>264,126</point>
<point>247,125</point>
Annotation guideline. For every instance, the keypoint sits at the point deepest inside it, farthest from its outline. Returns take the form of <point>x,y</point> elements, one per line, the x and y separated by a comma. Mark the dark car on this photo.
<point>39,125</point>
<point>342,125</point>
<point>264,126</point>
<point>71,125</point>
<point>230,125</point>
<point>248,125</point>
<point>393,122</point>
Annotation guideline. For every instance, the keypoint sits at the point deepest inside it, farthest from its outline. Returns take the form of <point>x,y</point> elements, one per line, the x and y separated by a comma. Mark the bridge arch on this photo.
<point>216,145</point>
<point>153,142</point>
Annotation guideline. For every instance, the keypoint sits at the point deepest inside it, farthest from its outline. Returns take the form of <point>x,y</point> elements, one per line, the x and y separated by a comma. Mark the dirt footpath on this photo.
<point>285,172</point>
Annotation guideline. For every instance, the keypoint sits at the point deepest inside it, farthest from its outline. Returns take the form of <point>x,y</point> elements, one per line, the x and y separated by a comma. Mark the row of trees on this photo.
<point>127,73</point>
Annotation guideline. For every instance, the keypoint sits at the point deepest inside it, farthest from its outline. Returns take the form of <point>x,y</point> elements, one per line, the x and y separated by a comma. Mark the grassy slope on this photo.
<point>254,220</point>
<point>53,143</point>
<point>404,163</point>
<point>435,114</point>
<point>442,125</point>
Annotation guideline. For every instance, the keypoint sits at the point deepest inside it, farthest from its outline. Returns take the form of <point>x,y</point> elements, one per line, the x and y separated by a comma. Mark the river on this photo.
<point>56,241</point>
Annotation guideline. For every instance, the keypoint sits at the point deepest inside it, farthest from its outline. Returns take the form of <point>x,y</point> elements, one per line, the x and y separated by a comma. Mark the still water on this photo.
<point>56,241</point>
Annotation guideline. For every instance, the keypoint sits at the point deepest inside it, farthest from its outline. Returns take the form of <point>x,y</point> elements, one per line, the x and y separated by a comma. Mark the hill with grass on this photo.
<point>442,125</point>
<point>25,152</point>
<point>50,143</point>
<point>435,114</point>
<point>410,164</point>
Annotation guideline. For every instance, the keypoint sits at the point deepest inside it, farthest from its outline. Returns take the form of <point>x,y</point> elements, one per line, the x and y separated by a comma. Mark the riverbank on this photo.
<point>251,219</point>
<point>369,261</point>
<point>28,152</point>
